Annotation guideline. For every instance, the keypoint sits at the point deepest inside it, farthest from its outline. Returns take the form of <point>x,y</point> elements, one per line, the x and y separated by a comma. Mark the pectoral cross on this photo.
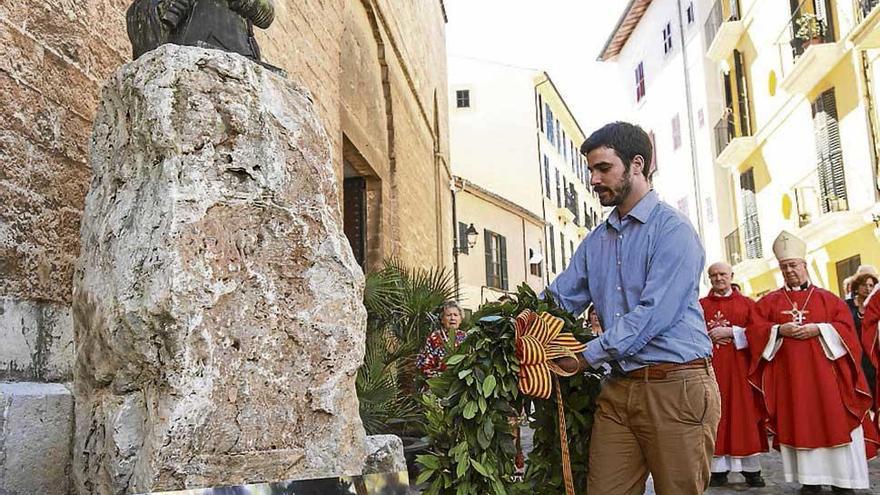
<point>797,315</point>
<point>718,320</point>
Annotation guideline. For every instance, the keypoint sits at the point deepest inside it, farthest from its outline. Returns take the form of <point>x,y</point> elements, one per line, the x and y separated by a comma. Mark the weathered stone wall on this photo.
<point>217,305</point>
<point>374,67</point>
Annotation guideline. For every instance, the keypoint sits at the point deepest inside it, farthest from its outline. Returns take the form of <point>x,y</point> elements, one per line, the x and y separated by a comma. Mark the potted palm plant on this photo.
<point>810,30</point>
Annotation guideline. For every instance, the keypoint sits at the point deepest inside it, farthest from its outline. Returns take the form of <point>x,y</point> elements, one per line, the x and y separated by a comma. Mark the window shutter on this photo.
<point>490,272</point>
<point>552,238</point>
<point>829,153</point>
<point>503,243</point>
<point>463,247</point>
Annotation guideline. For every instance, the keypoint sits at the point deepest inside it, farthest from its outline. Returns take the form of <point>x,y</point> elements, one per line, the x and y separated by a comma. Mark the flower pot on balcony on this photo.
<point>815,40</point>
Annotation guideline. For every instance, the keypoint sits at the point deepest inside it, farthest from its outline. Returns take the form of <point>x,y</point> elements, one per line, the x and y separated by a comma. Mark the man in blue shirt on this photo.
<point>641,268</point>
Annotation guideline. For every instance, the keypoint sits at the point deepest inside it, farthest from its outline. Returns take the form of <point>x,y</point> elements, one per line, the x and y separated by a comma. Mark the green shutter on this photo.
<point>503,262</point>
<point>490,272</point>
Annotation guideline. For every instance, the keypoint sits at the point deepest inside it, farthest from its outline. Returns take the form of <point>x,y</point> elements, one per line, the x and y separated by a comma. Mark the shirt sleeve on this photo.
<point>571,289</point>
<point>673,273</point>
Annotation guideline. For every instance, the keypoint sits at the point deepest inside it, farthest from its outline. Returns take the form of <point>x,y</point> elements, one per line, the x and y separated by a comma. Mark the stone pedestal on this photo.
<point>217,306</point>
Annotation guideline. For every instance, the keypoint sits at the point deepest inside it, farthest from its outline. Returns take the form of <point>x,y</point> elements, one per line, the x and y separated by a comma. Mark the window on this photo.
<point>534,268</point>
<point>496,260</point>
<point>676,132</point>
<point>558,136</point>
<point>463,98</point>
<point>548,120</point>
<point>462,238</point>
<point>667,38</point>
<point>690,13</point>
<point>829,154</point>
<point>846,268</point>
<point>562,249</point>
<point>547,177</point>
<point>541,112</point>
<point>751,226</point>
<point>558,190</point>
<point>552,248</point>
<point>640,81</point>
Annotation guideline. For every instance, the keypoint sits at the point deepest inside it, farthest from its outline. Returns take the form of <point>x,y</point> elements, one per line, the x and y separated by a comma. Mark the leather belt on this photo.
<point>659,371</point>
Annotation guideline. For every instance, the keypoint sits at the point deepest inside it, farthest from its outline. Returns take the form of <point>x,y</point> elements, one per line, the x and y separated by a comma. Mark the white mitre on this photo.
<point>788,246</point>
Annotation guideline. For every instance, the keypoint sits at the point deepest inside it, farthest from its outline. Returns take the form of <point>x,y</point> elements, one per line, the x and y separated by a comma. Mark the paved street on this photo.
<point>772,469</point>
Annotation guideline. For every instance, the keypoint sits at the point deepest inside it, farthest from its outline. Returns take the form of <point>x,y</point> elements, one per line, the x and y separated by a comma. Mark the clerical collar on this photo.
<point>726,294</point>
<point>803,286</point>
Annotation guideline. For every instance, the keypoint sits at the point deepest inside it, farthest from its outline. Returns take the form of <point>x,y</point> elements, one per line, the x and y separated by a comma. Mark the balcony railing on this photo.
<point>864,8</point>
<point>805,28</point>
<point>724,133</point>
<point>713,22</point>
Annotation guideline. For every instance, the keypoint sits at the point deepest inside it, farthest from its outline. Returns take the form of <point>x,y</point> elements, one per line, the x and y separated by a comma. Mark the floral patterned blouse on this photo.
<point>430,360</point>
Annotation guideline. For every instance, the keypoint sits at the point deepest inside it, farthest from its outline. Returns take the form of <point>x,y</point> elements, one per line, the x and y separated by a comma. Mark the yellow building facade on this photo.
<point>797,147</point>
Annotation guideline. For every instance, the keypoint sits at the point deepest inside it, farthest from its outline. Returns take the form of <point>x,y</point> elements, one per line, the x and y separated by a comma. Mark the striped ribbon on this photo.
<point>539,340</point>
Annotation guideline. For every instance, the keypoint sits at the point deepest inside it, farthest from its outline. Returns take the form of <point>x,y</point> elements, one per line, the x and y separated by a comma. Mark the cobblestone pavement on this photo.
<point>771,464</point>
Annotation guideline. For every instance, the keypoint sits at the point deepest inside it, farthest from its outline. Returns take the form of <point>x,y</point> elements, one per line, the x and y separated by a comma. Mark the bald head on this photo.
<point>721,276</point>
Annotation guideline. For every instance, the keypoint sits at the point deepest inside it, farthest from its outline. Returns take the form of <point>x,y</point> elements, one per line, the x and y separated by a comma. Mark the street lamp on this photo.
<point>472,235</point>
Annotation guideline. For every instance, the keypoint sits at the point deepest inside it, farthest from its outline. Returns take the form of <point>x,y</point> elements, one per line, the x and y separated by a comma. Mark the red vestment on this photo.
<point>741,429</point>
<point>869,335</point>
<point>811,401</point>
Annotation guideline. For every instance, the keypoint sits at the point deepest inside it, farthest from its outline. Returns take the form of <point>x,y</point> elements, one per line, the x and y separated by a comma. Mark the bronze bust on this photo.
<point>222,24</point>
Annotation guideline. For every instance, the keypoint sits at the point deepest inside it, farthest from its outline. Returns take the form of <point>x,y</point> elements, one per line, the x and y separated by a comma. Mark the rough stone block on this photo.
<point>36,429</point>
<point>37,341</point>
<point>384,455</point>
<point>217,304</point>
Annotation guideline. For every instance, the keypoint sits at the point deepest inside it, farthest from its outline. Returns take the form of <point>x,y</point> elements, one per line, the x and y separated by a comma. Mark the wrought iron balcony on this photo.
<point>815,50</point>
<point>733,247</point>
<point>723,32</point>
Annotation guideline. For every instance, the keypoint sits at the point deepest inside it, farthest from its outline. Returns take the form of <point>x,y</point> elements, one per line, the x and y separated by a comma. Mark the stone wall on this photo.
<point>376,69</point>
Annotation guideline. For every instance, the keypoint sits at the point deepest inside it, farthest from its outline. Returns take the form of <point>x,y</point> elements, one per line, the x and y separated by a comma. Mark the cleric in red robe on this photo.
<point>741,435</point>
<point>870,338</point>
<point>807,365</point>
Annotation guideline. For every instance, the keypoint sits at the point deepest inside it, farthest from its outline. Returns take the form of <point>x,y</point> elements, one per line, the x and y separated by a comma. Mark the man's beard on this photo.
<point>618,193</point>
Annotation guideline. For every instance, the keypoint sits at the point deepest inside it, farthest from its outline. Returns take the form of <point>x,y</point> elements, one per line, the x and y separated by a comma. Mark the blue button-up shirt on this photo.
<point>642,273</point>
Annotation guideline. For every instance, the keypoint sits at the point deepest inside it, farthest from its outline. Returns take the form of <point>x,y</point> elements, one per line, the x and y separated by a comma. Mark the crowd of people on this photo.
<point>697,388</point>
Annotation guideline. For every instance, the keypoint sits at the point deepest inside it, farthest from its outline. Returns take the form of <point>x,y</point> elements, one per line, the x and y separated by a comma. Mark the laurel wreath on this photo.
<point>470,407</point>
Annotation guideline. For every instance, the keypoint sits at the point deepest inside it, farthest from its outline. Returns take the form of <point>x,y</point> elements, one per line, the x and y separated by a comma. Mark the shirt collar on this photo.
<point>804,286</point>
<point>641,211</point>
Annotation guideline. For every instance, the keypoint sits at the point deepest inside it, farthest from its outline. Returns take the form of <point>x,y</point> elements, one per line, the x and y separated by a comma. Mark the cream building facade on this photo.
<point>520,179</point>
<point>782,100</point>
<point>659,49</point>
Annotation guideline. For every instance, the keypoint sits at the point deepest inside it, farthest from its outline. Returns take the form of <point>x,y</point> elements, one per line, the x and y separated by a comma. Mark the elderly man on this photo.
<point>807,364</point>
<point>741,436</point>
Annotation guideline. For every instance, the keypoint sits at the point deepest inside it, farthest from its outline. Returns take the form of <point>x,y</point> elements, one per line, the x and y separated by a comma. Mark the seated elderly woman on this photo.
<point>430,360</point>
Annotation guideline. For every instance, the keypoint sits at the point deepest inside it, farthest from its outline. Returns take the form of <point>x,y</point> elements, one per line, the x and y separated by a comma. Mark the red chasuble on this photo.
<point>741,429</point>
<point>811,401</point>
<point>869,334</point>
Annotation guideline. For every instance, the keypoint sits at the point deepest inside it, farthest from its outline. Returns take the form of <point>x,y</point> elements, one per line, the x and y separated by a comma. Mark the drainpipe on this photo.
<point>542,180</point>
<point>690,120</point>
<point>870,110</point>
<point>455,239</point>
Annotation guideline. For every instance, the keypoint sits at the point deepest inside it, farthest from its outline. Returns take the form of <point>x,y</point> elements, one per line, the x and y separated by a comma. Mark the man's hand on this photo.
<point>787,329</point>
<point>172,12</point>
<point>805,332</point>
<point>721,333</point>
<point>583,365</point>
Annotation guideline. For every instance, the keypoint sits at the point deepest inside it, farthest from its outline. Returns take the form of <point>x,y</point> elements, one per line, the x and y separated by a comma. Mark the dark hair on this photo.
<point>627,140</point>
<point>860,280</point>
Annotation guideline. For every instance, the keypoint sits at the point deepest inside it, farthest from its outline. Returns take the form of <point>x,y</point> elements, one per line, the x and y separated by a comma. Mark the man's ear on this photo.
<point>639,161</point>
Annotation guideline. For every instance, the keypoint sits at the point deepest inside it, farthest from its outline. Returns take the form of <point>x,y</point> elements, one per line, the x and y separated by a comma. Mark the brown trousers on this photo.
<point>663,426</point>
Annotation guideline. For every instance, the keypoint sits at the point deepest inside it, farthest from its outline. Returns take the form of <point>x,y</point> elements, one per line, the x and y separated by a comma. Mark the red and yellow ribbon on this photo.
<point>540,341</point>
